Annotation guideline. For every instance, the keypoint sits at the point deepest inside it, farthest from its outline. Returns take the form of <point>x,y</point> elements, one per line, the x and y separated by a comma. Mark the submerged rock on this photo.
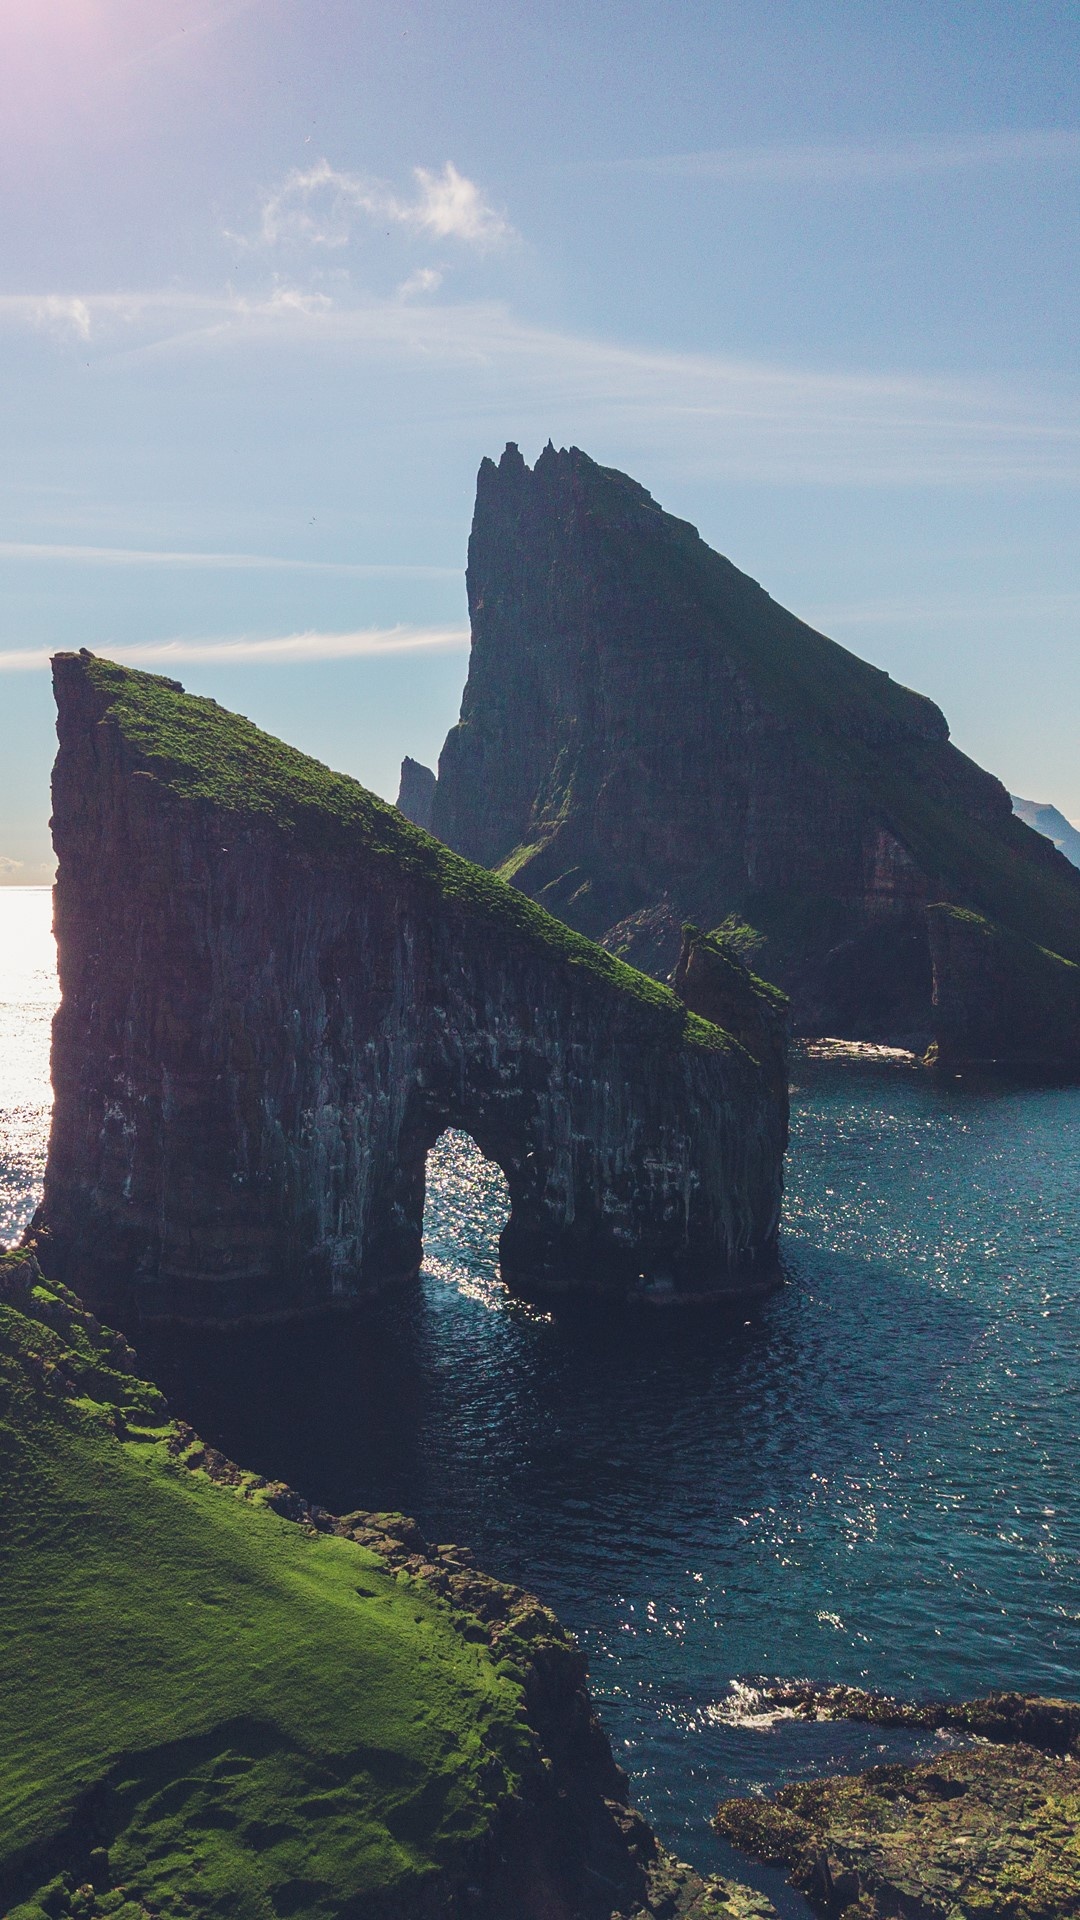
<point>647,738</point>
<point>277,994</point>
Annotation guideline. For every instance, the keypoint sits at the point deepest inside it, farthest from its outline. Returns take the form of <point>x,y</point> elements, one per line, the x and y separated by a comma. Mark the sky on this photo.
<point>275,275</point>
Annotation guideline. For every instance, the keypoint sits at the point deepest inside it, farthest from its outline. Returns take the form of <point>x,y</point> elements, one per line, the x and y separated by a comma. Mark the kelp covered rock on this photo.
<point>984,1833</point>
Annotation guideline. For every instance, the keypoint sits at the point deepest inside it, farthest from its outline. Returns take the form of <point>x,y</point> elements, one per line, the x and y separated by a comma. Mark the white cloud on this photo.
<point>704,415</point>
<point>64,315</point>
<point>8,865</point>
<point>319,205</point>
<point>258,650</point>
<point>450,206</point>
<point>424,280</point>
<point>945,609</point>
<point>242,562</point>
<point>828,165</point>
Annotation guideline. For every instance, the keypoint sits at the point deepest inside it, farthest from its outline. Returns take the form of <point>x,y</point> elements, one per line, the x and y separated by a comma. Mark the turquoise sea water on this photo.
<point>871,1476</point>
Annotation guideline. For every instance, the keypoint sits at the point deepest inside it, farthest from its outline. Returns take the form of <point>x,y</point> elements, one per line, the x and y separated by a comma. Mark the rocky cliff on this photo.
<point>647,738</point>
<point>1000,999</point>
<point>277,994</point>
<point>416,793</point>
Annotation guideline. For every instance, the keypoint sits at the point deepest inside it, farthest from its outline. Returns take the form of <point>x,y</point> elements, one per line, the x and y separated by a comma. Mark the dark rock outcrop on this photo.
<point>987,1833</point>
<point>1001,1000</point>
<point>647,738</point>
<point>416,793</point>
<point>1006,1719</point>
<point>277,994</point>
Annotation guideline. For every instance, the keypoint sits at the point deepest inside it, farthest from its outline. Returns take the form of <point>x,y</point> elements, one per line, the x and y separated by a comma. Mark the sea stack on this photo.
<point>277,994</point>
<point>416,793</point>
<point>646,739</point>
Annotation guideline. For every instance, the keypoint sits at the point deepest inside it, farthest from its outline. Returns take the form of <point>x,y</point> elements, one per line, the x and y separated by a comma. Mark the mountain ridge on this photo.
<point>647,738</point>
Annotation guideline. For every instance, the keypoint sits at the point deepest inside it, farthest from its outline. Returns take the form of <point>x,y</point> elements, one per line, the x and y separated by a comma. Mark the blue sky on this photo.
<point>278,273</point>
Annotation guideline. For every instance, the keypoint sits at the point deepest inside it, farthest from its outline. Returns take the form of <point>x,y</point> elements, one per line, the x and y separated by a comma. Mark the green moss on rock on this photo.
<point>988,1833</point>
<point>202,751</point>
<point>251,1717</point>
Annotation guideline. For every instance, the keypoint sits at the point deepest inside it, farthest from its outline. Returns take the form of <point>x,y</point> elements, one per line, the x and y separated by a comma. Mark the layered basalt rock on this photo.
<point>416,793</point>
<point>647,738</point>
<point>1001,1000</point>
<point>277,994</point>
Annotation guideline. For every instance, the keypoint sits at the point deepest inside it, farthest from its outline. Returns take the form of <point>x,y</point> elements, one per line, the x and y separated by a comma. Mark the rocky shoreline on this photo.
<point>986,1831</point>
<point>581,1819</point>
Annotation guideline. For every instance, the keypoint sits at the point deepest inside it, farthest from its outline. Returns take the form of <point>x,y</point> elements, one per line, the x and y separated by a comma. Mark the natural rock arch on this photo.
<point>277,994</point>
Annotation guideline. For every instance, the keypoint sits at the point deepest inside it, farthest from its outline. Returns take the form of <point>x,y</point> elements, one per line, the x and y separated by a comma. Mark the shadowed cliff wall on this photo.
<point>647,738</point>
<point>277,994</point>
<point>1000,1000</point>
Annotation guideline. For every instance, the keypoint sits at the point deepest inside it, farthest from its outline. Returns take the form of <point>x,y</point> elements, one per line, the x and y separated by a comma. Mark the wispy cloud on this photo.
<point>424,280</point>
<point>241,650</point>
<point>946,610</point>
<point>319,205</point>
<point>196,27</point>
<point>835,165</point>
<point>65,315</point>
<point>704,414</point>
<point>8,865</point>
<point>214,562</point>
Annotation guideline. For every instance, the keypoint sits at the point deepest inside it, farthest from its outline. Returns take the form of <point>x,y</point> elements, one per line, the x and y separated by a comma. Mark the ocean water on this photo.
<point>28,997</point>
<point>871,1476</point>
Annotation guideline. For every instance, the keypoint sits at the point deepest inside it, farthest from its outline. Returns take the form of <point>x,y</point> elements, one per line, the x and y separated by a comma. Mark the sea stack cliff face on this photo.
<point>277,994</point>
<point>416,793</point>
<point>647,738</point>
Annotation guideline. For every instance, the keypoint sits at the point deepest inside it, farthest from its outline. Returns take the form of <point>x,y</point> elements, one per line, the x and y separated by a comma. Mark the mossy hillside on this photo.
<point>251,1717</point>
<point>1029,996</point>
<point>732,945</point>
<point>1000,870</point>
<point>818,683</point>
<point>200,750</point>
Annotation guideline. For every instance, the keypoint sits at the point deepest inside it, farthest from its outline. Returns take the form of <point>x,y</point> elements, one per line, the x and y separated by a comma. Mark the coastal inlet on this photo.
<point>870,1477</point>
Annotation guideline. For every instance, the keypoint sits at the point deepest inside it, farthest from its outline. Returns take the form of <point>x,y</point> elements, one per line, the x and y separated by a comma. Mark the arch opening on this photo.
<point>466,1208</point>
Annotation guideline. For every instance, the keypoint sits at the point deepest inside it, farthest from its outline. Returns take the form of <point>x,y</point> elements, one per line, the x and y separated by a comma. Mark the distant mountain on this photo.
<point>1047,820</point>
<point>647,739</point>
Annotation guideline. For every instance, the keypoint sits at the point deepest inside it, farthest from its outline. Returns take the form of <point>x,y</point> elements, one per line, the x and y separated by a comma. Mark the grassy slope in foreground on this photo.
<point>204,752</point>
<point>266,1720</point>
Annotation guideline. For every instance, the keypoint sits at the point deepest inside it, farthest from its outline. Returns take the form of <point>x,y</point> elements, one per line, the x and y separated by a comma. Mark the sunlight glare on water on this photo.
<point>28,997</point>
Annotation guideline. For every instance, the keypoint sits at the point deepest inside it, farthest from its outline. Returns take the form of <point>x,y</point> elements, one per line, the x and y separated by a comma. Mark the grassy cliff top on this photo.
<point>200,750</point>
<point>253,1718</point>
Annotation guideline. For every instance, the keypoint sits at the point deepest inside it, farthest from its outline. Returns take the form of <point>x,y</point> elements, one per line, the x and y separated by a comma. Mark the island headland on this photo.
<point>277,994</point>
<point>646,738</point>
